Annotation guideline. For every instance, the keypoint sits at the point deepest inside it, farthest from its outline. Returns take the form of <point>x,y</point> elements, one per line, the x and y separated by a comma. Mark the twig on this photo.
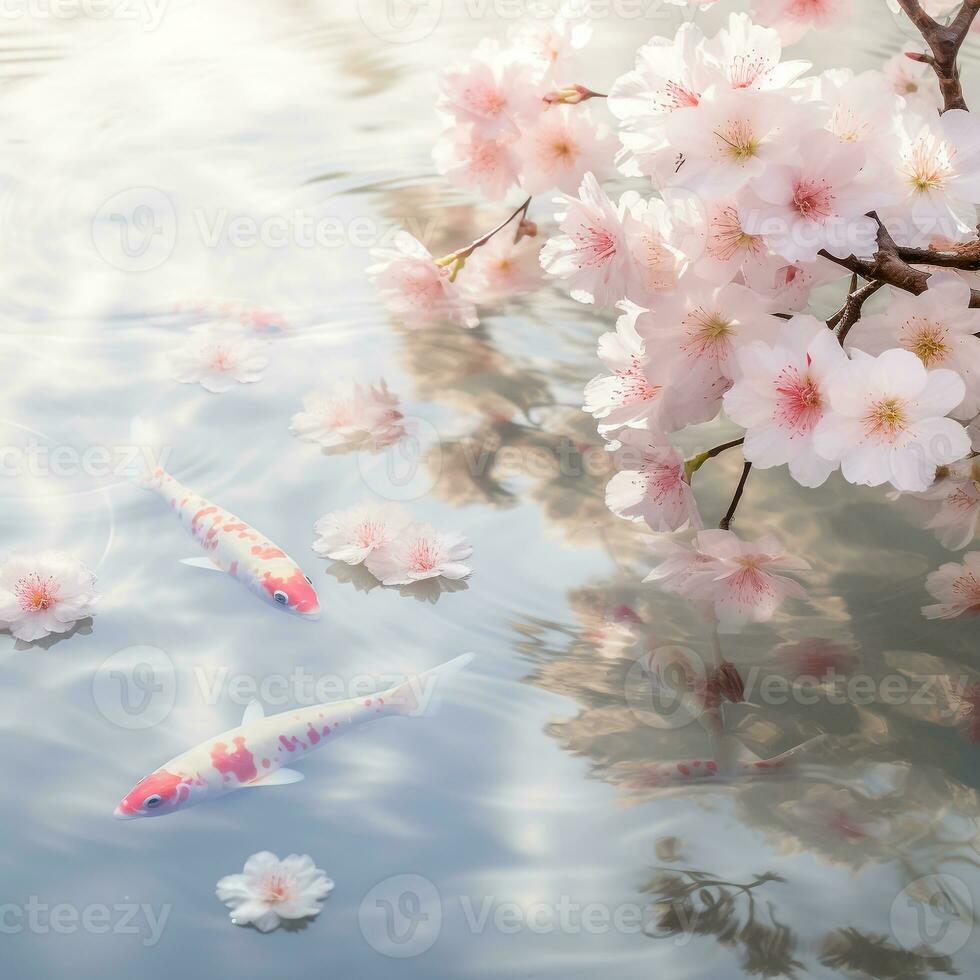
<point>458,258</point>
<point>944,41</point>
<point>852,308</point>
<point>726,521</point>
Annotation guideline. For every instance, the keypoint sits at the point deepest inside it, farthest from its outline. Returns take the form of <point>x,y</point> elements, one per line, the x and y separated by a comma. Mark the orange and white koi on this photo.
<point>230,545</point>
<point>260,751</point>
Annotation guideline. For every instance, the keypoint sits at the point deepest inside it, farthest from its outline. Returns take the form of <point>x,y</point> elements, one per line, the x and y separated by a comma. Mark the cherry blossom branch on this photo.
<point>456,260</point>
<point>944,41</point>
<point>889,266</point>
<point>726,521</point>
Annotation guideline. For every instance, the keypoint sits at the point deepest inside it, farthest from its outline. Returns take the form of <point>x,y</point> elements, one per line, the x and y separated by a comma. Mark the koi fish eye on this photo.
<point>280,597</point>
<point>151,801</point>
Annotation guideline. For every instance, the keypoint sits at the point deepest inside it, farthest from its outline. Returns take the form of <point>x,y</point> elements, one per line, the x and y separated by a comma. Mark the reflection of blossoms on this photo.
<point>48,592</point>
<point>952,504</point>
<point>957,587</point>
<point>353,417</point>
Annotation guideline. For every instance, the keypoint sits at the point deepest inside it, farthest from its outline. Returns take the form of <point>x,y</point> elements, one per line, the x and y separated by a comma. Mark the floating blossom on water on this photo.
<point>420,552</point>
<point>350,417</point>
<point>887,421</point>
<point>652,484</point>
<point>599,251</point>
<point>352,535</point>
<point>957,587</point>
<point>44,593</point>
<point>416,288</point>
<point>781,395</point>
<point>219,359</point>
<point>938,326</point>
<point>270,890</point>
<point>743,579</point>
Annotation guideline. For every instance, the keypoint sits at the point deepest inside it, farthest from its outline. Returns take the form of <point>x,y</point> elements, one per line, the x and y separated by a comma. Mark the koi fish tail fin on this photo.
<point>418,695</point>
<point>145,469</point>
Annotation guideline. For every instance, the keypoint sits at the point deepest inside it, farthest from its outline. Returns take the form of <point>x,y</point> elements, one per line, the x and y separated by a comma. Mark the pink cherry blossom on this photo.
<point>353,535</point>
<point>350,417</point>
<point>48,592</point>
<point>887,420</point>
<point>418,290</point>
<point>692,336</point>
<point>473,161</point>
<point>957,587</point>
<point>749,585</point>
<point>493,90</point>
<point>552,46</point>
<point>914,81</point>
<point>935,178</point>
<point>743,579</point>
<point>563,145</point>
<point>599,249</point>
<point>820,200</point>
<point>863,111</point>
<point>952,504</point>
<point>218,359</point>
<point>794,18</point>
<point>730,137</point>
<point>651,484</point>
<point>629,395</point>
<point>780,395</point>
<point>420,552</point>
<point>502,269</point>
<point>938,326</point>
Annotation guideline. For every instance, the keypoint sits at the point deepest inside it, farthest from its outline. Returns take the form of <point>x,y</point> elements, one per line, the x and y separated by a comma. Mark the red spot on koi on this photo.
<point>239,762</point>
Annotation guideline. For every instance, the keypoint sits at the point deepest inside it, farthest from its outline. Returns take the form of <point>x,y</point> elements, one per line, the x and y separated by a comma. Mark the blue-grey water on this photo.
<point>506,835</point>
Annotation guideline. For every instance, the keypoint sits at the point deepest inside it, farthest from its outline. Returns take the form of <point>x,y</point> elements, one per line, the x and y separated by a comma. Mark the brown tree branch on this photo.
<point>944,41</point>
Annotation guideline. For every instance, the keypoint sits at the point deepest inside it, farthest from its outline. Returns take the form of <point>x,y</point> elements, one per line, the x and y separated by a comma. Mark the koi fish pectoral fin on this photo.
<point>202,562</point>
<point>281,777</point>
<point>253,712</point>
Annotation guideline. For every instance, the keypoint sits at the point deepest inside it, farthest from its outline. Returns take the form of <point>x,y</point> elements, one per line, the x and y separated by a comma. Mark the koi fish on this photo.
<point>260,750</point>
<point>231,545</point>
